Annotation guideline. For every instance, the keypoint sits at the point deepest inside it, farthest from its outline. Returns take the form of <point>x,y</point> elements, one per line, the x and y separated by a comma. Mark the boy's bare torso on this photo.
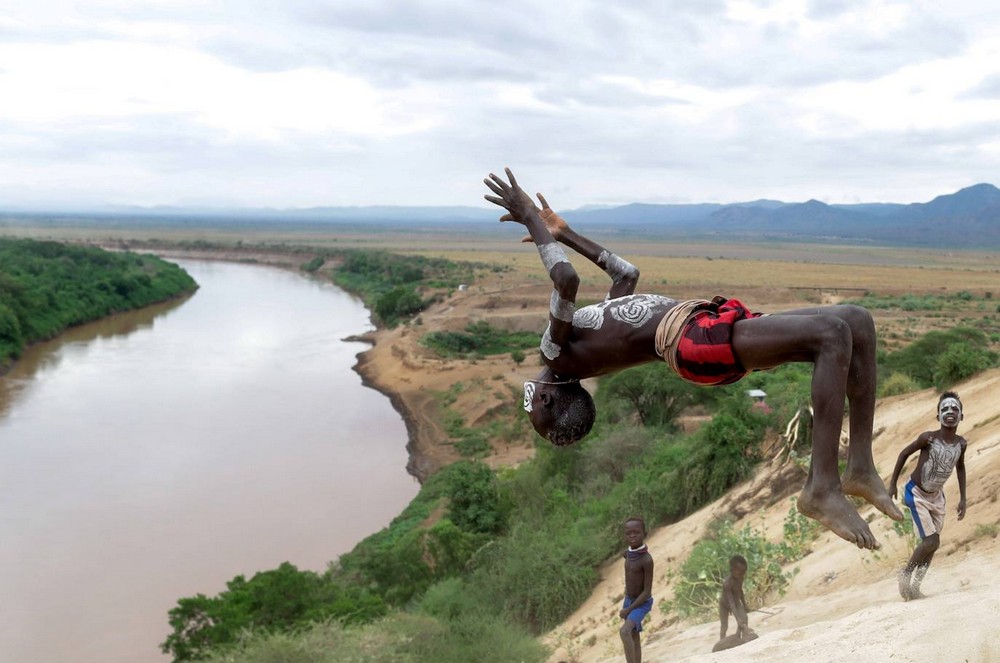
<point>609,336</point>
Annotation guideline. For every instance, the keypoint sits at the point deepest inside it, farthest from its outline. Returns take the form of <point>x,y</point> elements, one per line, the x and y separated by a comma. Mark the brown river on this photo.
<point>157,454</point>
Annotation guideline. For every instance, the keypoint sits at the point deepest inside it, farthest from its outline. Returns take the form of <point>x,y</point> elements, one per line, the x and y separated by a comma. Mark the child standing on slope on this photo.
<point>732,601</point>
<point>941,451</point>
<point>638,588</point>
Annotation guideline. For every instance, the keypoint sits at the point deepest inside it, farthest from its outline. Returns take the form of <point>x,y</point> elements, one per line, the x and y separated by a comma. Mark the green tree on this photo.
<point>656,395</point>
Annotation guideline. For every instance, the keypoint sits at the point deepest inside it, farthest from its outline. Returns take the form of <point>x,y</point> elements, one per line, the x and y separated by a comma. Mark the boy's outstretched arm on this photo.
<point>624,275</point>
<point>565,280</point>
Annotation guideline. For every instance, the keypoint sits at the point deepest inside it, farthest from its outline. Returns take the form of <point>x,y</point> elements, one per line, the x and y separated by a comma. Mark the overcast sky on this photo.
<point>302,103</point>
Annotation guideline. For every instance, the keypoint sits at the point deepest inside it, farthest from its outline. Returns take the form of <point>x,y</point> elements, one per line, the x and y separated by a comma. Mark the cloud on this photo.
<point>309,102</point>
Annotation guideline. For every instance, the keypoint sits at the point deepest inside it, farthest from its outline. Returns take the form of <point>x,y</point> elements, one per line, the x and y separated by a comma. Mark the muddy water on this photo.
<point>157,454</point>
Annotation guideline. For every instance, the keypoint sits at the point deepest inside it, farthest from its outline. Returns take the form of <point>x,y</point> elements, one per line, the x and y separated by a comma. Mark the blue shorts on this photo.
<point>639,612</point>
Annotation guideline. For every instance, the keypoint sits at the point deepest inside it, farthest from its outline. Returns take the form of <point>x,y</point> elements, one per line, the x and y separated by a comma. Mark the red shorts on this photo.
<point>705,350</point>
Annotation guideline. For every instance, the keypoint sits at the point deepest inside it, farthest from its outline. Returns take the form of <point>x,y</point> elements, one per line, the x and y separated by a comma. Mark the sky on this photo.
<point>306,103</point>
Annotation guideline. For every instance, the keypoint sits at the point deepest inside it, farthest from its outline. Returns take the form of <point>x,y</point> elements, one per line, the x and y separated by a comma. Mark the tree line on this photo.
<point>47,287</point>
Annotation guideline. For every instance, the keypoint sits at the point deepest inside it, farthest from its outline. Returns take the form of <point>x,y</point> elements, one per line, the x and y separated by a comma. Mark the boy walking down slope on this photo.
<point>941,452</point>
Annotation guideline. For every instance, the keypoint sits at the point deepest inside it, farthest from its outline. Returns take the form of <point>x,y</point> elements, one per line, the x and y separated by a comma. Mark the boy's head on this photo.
<point>949,409</point>
<point>635,531</point>
<point>738,566</point>
<point>561,412</point>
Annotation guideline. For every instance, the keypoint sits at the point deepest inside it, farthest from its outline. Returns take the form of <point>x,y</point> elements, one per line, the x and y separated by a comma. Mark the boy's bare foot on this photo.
<point>833,510</point>
<point>904,585</point>
<point>870,488</point>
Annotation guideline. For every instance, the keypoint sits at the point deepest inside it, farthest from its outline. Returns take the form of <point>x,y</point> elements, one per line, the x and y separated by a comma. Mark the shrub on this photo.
<point>960,361</point>
<point>898,383</point>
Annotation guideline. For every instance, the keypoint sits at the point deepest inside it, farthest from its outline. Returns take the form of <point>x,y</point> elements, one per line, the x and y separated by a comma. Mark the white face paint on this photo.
<point>529,395</point>
<point>949,406</point>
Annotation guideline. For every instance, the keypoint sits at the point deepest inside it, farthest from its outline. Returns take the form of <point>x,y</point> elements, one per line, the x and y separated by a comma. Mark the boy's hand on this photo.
<point>555,223</point>
<point>961,509</point>
<point>511,197</point>
<point>892,491</point>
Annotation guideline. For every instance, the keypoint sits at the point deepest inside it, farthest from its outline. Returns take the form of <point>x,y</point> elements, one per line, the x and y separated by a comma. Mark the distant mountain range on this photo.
<point>968,218</point>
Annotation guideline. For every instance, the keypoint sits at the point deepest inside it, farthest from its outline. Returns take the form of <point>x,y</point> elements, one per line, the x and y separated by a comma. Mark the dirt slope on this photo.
<point>842,605</point>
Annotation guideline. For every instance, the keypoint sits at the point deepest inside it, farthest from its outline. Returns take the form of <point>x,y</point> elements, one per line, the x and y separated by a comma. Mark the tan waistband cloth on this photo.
<point>668,333</point>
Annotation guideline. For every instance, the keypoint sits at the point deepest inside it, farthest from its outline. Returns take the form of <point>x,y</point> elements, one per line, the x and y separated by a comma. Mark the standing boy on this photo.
<point>638,588</point>
<point>941,451</point>
<point>732,601</point>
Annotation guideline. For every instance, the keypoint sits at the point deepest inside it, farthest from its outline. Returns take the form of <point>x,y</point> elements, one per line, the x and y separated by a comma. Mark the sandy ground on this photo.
<point>843,603</point>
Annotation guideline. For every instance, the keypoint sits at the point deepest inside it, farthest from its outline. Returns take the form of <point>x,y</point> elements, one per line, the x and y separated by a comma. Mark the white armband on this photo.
<point>552,254</point>
<point>561,309</point>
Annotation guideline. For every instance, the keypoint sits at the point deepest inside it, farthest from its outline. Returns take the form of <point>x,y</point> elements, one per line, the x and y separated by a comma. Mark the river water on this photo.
<point>157,454</point>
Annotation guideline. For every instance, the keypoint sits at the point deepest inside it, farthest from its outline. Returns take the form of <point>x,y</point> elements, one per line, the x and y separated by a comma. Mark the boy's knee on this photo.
<point>859,318</point>
<point>627,629</point>
<point>836,336</point>
<point>933,542</point>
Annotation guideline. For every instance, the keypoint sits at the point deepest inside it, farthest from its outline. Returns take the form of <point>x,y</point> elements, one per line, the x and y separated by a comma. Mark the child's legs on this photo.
<point>723,620</point>
<point>861,378</point>
<point>629,633</point>
<point>805,335</point>
<point>826,341</point>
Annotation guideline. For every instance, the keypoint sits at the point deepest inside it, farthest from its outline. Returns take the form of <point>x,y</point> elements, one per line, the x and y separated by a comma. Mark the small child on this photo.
<point>941,451</point>
<point>638,588</point>
<point>733,602</point>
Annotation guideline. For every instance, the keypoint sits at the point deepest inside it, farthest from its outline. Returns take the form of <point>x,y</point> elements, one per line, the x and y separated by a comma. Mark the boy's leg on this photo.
<point>860,477</point>
<point>629,633</point>
<point>917,567</point>
<point>825,340</point>
<point>638,646</point>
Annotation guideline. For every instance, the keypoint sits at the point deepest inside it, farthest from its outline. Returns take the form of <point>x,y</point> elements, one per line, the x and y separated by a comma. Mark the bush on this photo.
<point>922,359</point>
<point>271,601</point>
<point>898,383</point>
<point>475,504</point>
<point>960,361</point>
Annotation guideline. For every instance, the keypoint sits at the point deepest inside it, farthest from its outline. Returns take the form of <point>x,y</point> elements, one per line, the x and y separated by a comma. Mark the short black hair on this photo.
<point>571,415</point>
<point>949,394</point>
<point>738,559</point>
<point>635,519</point>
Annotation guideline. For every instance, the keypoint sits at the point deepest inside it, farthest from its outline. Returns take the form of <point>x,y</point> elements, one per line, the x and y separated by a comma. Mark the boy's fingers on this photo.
<point>545,203</point>
<point>526,238</point>
<point>510,176</point>
<point>507,217</point>
<point>495,185</point>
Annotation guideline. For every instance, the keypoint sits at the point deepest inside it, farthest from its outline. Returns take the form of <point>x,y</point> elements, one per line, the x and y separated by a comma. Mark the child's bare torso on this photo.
<point>609,336</point>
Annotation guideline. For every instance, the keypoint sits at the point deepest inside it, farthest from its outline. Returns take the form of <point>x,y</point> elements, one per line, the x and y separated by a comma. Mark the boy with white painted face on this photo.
<point>706,342</point>
<point>941,451</point>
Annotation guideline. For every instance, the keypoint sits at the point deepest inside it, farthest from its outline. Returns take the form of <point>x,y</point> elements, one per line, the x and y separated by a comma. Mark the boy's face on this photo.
<point>738,570</point>
<point>950,412</point>
<point>635,533</point>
